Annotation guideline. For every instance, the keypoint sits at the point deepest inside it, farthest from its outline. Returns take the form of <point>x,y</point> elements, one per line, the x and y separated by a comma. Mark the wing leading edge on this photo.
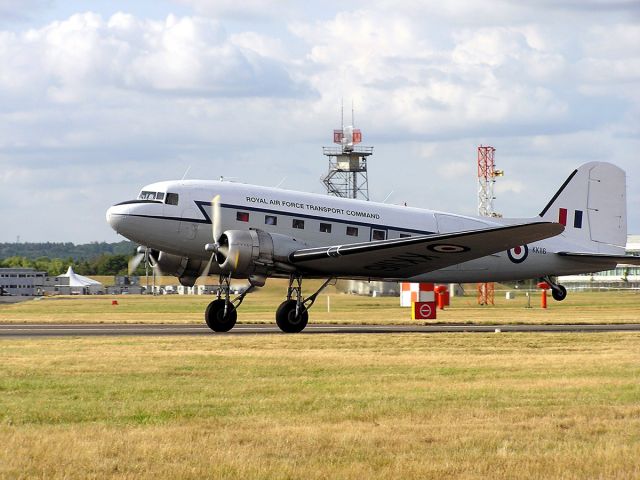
<point>406,257</point>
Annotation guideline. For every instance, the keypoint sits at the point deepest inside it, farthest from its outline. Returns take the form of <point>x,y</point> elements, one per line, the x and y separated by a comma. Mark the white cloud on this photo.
<point>100,105</point>
<point>75,59</point>
<point>247,9</point>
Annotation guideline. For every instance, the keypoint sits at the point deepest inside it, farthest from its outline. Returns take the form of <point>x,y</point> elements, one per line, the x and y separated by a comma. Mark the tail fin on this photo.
<point>592,205</point>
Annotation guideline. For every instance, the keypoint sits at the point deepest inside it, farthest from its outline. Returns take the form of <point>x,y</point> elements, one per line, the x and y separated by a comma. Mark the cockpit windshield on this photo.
<point>168,198</point>
<point>146,195</point>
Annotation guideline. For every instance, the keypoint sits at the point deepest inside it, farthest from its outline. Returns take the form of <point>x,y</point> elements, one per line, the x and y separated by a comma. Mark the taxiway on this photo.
<point>105,329</point>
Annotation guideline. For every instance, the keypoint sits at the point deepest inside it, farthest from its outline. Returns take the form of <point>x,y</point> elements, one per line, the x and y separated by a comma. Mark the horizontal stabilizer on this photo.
<point>602,257</point>
<point>401,258</point>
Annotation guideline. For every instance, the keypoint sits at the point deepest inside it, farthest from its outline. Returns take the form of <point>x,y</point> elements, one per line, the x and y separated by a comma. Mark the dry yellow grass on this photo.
<point>322,406</point>
<point>260,307</point>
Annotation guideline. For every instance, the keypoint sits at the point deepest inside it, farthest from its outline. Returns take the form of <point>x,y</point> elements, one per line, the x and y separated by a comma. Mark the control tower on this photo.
<point>347,175</point>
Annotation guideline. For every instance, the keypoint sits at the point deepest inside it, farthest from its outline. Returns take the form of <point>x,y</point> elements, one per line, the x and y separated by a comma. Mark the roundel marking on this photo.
<point>518,254</point>
<point>447,248</point>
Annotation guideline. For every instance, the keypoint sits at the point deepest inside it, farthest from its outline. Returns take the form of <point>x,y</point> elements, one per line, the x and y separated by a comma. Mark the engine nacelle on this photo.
<point>254,254</point>
<point>187,270</point>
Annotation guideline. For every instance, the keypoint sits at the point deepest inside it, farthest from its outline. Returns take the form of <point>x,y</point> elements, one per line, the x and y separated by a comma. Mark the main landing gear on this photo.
<point>558,292</point>
<point>293,314</point>
<point>221,314</point>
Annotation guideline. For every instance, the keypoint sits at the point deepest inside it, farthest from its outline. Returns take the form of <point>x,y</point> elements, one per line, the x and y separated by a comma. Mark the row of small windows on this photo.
<point>298,223</point>
<point>21,275</point>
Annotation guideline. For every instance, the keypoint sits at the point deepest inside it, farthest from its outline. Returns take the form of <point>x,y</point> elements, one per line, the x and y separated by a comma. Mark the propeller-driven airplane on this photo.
<point>193,228</point>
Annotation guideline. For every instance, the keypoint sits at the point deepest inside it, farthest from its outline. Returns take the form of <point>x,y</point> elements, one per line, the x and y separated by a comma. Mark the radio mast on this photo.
<point>487,174</point>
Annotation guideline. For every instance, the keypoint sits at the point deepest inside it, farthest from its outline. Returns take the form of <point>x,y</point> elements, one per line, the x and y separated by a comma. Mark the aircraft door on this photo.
<point>188,229</point>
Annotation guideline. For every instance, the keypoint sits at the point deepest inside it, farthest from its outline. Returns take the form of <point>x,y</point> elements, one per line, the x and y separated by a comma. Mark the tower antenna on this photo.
<point>353,122</point>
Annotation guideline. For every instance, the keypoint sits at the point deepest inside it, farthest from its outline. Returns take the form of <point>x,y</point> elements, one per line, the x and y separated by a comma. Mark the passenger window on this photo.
<point>298,223</point>
<point>270,220</point>
<point>172,199</point>
<point>352,231</point>
<point>378,235</point>
<point>325,227</point>
<point>242,216</point>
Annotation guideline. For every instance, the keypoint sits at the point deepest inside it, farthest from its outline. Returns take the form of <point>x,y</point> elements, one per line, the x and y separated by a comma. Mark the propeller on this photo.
<point>216,226</point>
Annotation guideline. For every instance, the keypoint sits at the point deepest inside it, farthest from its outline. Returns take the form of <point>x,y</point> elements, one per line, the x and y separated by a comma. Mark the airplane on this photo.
<point>197,228</point>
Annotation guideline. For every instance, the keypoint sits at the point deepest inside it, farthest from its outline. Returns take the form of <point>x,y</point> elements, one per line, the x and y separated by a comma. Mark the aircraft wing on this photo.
<point>406,257</point>
<point>602,258</point>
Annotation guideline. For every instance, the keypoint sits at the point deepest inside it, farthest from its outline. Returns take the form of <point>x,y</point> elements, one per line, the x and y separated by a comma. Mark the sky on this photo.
<point>99,98</point>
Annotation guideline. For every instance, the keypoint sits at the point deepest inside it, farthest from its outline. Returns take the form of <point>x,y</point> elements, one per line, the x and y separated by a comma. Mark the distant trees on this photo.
<point>103,265</point>
<point>89,259</point>
<point>65,250</point>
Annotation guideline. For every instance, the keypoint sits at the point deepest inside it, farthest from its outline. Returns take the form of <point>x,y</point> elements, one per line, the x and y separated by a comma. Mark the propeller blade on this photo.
<point>153,261</point>
<point>134,262</point>
<point>215,218</point>
<point>207,268</point>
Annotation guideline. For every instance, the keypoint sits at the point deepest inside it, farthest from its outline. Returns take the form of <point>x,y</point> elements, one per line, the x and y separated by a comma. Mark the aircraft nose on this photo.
<point>117,216</point>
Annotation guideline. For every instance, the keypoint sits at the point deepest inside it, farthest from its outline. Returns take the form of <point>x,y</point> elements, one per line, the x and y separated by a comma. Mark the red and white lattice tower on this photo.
<point>487,174</point>
<point>486,180</point>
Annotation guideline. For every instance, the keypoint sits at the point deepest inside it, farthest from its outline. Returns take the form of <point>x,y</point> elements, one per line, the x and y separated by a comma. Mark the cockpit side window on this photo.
<point>172,199</point>
<point>160,196</point>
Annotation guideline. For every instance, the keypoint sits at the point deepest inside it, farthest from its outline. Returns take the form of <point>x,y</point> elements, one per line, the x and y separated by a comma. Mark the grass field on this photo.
<point>260,307</point>
<point>324,406</point>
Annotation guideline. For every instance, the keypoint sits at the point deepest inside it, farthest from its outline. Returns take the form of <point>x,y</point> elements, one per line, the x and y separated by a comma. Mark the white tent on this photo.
<point>76,280</point>
<point>78,283</point>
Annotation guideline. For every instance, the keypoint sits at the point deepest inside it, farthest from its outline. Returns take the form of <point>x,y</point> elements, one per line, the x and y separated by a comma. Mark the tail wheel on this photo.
<point>216,318</point>
<point>559,293</point>
<point>287,319</point>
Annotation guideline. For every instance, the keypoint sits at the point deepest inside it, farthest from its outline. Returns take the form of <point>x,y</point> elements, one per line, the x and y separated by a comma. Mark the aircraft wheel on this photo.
<point>559,294</point>
<point>217,320</point>
<point>287,320</point>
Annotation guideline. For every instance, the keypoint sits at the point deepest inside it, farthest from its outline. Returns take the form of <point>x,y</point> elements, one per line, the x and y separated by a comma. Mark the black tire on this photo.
<point>287,320</point>
<point>559,293</point>
<point>217,320</point>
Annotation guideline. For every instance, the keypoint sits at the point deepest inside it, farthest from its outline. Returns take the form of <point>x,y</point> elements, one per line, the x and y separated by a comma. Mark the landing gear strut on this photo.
<point>221,314</point>
<point>558,292</point>
<point>292,314</point>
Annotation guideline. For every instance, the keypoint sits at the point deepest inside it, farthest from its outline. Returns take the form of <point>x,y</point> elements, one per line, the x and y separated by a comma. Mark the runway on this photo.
<point>97,330</point>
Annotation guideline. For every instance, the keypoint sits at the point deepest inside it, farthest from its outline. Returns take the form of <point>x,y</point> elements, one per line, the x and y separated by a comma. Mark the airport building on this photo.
<point>28,282</point>
<point>21,281</point>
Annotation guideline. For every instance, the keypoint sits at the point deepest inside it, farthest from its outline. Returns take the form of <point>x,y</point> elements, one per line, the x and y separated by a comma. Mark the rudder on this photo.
<point>591,204</point>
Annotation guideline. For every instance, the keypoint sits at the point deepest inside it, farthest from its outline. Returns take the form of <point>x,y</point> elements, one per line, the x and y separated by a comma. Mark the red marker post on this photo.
<point>442,296</point>
<point>543,299</point>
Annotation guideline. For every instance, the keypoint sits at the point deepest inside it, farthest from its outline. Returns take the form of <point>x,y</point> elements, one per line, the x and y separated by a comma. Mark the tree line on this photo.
<point>105,264</point>
<point>65,250</point>
<point>96,258</point>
